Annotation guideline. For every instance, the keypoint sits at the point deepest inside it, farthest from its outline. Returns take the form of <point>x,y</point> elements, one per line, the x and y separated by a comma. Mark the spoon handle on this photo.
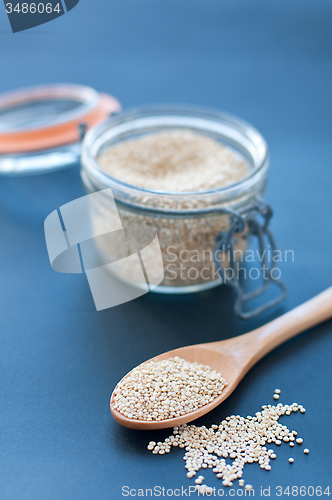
<point>268,337</point>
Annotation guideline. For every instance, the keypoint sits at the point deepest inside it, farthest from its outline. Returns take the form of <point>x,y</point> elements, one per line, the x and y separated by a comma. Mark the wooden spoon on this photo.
<point>234,357</point>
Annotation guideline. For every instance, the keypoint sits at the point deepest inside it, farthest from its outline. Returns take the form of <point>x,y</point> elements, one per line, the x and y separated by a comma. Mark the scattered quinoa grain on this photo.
<point>277,391</point>
<point>242,439</point>
<point>191,474</point>
<point>306,451</point>
<point>299,440</point>
<point>276,396</point>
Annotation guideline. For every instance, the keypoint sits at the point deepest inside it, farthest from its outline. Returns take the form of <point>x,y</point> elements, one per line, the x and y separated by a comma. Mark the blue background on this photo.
<point>268,62</point>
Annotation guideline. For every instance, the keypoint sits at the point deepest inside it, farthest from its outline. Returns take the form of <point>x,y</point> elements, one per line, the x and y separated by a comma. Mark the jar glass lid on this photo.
<point>41,127</point>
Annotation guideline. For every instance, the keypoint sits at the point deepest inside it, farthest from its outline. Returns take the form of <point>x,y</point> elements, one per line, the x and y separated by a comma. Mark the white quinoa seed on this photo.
<point>174,161</point>
<point>277,391</point>
<point>276,396</point>
<point>291,460</point>
<point>299,440</point>
<point>306,451</point>
<point>160,390</point>
<point>241,439</point>
<point>191,474</point>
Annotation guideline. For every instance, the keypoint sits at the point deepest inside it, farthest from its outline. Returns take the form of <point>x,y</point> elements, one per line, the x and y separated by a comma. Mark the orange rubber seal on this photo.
<point>57,135</point>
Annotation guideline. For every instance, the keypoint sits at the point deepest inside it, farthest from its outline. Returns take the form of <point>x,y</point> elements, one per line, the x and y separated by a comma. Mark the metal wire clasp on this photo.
<point>248,223</point>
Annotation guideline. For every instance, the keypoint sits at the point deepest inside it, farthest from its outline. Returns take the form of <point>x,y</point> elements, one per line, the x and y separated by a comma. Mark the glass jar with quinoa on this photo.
<point>181,173</point>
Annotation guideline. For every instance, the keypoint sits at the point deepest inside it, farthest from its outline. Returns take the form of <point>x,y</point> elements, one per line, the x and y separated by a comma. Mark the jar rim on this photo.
<point>86,97</point>
<point>32,122</point>
<point>95,139</point>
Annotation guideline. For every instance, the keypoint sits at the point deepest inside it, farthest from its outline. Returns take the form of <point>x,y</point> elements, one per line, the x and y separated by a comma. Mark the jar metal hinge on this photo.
<point>82,130</point>
<point>249,223</point>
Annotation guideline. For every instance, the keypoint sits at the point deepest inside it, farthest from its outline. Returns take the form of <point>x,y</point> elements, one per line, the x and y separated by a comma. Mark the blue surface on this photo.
<point>268,62</point>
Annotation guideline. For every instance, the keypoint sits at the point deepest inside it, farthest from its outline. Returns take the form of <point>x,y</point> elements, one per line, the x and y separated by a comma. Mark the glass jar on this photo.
<point>187,224</point>
<point>41,127</point>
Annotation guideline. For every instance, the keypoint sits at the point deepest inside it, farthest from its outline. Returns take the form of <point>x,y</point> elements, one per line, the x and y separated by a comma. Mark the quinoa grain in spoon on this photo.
<point>170,388</point>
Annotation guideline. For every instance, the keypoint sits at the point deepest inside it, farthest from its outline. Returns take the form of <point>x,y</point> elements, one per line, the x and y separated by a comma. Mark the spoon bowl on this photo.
<point>232,358</point>
<point>203,354</point>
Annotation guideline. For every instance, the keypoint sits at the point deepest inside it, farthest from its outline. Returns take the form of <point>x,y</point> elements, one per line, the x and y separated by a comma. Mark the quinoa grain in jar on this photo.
<point>179,173</point>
